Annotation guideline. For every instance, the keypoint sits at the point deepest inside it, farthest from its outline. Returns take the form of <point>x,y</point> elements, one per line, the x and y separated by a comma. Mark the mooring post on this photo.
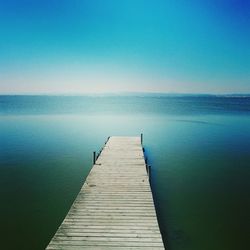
<point>141,138</point>
<point>94,158</point>
<point>107,140</point>
<point>149,172</point>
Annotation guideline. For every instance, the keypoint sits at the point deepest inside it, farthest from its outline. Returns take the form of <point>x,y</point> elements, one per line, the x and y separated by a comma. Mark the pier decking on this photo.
<point>115,208</point>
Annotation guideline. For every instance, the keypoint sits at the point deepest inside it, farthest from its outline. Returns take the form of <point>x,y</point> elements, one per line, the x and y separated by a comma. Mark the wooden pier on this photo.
<point>114,209</point>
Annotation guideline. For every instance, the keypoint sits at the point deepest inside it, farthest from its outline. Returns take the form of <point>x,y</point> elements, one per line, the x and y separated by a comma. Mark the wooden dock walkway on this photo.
<point>114,209</point>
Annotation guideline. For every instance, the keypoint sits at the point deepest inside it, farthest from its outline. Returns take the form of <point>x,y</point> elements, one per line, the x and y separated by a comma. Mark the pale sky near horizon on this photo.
<point>98,46</point>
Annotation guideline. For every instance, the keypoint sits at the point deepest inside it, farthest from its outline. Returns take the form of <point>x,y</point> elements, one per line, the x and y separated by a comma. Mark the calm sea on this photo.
<point>198,147</point>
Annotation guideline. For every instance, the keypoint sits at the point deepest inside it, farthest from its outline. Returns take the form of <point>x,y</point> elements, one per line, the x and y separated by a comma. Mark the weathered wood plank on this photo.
<point>114,209</point>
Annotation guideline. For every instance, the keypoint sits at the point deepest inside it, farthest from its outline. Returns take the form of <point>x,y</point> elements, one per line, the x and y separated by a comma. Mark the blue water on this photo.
<point>198,147</point>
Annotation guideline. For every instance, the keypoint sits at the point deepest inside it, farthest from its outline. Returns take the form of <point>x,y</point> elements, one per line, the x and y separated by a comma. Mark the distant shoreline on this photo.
<point>132,94</point>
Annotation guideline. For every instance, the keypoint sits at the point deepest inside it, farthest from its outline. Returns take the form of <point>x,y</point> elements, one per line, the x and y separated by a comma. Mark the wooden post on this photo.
<point>141,138</point>
<point>107,140</point>
<point>94,158</point>
<point>149,172</point>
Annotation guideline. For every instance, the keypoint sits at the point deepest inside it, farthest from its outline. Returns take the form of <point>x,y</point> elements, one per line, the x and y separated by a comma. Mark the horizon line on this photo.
<point>123,93</point>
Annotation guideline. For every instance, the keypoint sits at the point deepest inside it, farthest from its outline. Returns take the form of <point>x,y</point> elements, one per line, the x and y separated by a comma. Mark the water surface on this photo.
<point>198,147</point>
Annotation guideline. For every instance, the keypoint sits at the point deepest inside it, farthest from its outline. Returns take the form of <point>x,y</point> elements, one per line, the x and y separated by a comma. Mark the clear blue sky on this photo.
<point>80,46</point>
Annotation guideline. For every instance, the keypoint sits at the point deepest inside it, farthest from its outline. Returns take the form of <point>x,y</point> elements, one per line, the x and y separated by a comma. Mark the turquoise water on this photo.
<point>198,147</point>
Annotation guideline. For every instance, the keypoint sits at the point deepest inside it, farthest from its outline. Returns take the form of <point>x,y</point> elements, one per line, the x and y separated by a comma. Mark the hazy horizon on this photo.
<point>124,93</point>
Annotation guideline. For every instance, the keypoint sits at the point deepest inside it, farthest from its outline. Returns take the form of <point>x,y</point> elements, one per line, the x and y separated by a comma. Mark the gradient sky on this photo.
<point>80,46</point>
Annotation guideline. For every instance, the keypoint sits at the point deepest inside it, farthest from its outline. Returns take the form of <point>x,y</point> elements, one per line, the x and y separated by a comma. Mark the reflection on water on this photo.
<point>199,122</point>
<point>200,164</point>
